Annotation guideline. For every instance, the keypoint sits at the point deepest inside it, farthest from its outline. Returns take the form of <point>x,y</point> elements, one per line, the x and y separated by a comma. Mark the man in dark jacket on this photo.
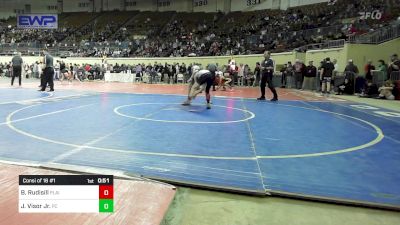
<point>16,68</point>
<point>47,76</point>
<point>368,70</point>
<point>309,77</point>
<point>257,74</point>
<point>299,69</point>
<point>394,67</point>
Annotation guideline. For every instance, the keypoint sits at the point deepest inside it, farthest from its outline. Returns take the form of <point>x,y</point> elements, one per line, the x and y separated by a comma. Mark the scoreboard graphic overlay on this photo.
<point>66,194</point>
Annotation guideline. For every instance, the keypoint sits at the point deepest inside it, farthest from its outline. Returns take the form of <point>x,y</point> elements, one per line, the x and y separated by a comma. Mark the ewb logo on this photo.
<point>36,21</point>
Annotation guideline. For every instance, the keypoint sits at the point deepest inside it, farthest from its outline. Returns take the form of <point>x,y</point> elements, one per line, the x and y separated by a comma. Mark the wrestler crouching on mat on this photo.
<point>199,81</point>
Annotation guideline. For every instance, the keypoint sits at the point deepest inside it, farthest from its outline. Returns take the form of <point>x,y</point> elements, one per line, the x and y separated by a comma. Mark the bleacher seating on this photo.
<point>183,33</point>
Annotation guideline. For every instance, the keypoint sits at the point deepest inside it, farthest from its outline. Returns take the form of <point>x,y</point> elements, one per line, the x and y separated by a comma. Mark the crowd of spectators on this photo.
<point>35,70</point>
<point>212,34</point>
<point>10,35</point>
<point>274,30</point>
<point>374,80</point>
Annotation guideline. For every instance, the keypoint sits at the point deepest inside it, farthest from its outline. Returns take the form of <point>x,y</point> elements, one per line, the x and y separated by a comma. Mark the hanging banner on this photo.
<point>37,21</point>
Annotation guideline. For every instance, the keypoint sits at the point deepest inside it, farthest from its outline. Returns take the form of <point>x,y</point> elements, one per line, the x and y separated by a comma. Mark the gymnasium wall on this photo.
<point>174,5</point>
<point>143,5</point>
<point>11,7</point>
<point>361,53</point>
<point>279,58</point>
<point>248,5</point>
<point>73,6</point>
<point>6,8</point>
<point>285,4</point>
<point>111,5</point>
<point>340,54</point>
<point>294,3</point>
<point>210,5</point>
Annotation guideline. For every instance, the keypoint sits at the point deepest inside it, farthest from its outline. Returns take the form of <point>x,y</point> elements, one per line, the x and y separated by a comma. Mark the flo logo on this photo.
<point>374,15</point>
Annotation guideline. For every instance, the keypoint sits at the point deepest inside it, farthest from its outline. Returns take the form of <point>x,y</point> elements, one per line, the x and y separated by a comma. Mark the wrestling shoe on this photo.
<point>186,103</point>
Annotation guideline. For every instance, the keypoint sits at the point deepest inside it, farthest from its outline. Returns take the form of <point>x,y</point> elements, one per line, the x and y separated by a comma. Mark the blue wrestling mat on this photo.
<point>335,151</point>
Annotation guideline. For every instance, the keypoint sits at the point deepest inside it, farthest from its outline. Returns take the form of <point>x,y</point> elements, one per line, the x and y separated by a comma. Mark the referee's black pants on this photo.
<point>47,78</point>
<point>16,73</point>
<point>267,78</point>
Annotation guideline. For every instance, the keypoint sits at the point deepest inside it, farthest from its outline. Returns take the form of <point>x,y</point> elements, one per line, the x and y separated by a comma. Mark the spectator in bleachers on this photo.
<point>289,74</point>
<point>240,74</point>
<point>243,34</point>
<point>370,91</point>
<point>368,70</point>
<point>287,29</point>
<point>283,75</point>
<point>165,73</point>
<point>257,74</point>
<point>394,66</point>
<point>176,70</point>
<point>88,67</point>
<point>347,87</point>
<point>309,77</point>
<point>36,69</point>
<point>386,91</point>
<point>351,67</point>
<point>337,68</point>
<point>138,70</point>
<point>26,69</point>
<point>183,70</point>
<point>71,68</point>
<point>299,69</point>
<point>75,70</point>
<point>233,70</point>
<point>382,67</point>
<point>9,69</point>
<point>1,70</point>
<point>396,89</point>
<point>56,70</point>
<point>40,69</point>
<point>62,66</point>
<point>248,76</point>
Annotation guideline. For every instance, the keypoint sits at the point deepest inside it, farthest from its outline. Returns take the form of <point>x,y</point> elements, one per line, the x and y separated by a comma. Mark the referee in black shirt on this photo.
<point>267,71</point>
<point>48,73</point>
<point>17,68</point>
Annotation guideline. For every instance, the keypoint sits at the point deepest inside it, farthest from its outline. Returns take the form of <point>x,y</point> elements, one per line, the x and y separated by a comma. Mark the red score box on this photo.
<point>106,192</point>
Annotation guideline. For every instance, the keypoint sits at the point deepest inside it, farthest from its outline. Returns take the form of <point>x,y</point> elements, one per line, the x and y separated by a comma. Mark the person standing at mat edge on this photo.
<point>267,71</point>
<point>16,62</point>
<point>48,72</point>
<point>326,76</point>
